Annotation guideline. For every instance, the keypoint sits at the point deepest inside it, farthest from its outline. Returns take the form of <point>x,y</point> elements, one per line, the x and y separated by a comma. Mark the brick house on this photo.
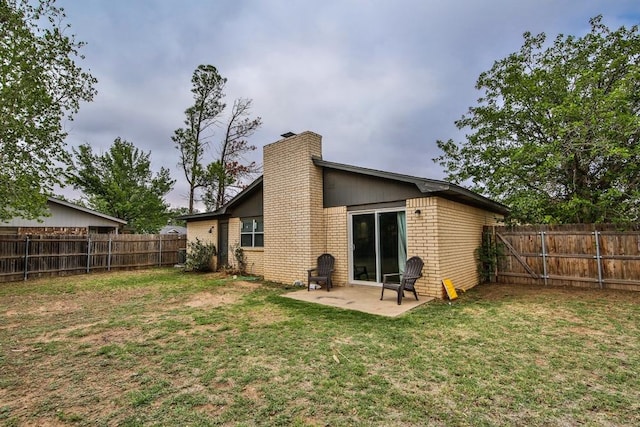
<point>370,220</point>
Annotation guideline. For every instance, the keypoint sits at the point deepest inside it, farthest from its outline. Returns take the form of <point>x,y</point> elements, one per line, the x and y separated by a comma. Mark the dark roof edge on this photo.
<point>85,210</point>
<point>434,184</point>
<point>425,185</point>
<point>223,209</point>
<point>480,199</point>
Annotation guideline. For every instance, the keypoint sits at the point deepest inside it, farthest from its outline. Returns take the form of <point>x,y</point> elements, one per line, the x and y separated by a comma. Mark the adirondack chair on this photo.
<point>322,272</point>
<point>406,281</point>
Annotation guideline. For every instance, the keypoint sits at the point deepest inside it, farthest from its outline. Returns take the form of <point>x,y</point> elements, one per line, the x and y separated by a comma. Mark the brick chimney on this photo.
<point>294,232</point>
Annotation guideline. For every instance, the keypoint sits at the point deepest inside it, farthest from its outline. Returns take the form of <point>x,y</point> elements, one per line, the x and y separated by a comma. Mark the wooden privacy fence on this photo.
<point>24,257</point>
<point>585,255</point>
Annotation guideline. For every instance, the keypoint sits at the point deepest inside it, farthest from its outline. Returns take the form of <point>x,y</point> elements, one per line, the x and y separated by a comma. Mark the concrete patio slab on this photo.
<point>360,298</point>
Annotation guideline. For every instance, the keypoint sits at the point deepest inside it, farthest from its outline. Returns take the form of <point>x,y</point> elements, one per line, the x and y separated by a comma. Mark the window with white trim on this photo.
<point>252,232</point>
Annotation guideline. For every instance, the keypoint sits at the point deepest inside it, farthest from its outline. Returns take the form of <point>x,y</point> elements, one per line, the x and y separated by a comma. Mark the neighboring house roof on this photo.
<point>430,187</point>
<point>58,209</point>
<point>86,210</point>
<point>173,229</point>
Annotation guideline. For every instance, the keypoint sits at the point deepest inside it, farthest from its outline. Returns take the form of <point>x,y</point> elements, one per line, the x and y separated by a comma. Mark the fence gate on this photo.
<point>574,255</point>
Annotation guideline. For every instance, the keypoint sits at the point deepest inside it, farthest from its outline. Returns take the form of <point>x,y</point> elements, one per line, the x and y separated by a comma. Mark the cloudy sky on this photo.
<point>381,81</point>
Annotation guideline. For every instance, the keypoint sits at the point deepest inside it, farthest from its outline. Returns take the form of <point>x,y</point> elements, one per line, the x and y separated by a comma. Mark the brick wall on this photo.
<point>293,214</point>
<point>445,235</point>
<point>337,224</point>
<point>234,240</point>
<point>421,243</point>
<point>460,234</point>
<point>255,261</point>
<point>200,230</point>
<point>253,256</point>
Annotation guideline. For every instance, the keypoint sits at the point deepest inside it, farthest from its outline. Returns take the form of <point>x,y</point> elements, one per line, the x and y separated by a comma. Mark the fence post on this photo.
<point>493,247</point>
<point>88,253</point>
<point>26,257</point>
<point>544,258</point>
<point>598,257</point>
<point>160,251</point>
<point>109,255</point>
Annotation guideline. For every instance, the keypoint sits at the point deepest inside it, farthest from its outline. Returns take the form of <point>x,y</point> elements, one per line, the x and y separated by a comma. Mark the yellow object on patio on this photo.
<point>451,291</point>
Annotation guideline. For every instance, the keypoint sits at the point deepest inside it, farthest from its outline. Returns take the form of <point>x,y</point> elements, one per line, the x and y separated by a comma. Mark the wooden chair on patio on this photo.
<point>405,281</point>
<point>322,272</point>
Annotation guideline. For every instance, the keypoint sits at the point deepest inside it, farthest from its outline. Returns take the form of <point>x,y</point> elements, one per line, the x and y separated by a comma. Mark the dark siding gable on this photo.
<point>250,205</point>
<point>342,188</point>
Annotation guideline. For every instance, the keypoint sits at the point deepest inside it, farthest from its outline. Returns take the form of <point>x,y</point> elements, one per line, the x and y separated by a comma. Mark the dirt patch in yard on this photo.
<point>52,307</point>
<point>114,336</point>
<point>68,303</point>
<point>247,285</point>
<point>225,296</point>
<point>499,291</point>
<point>207,299</point>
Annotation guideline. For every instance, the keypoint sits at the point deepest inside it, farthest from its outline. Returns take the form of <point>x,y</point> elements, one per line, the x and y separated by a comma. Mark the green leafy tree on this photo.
<point>175,213</point>
<point>556,132</point>
<point>219,170</point>
<point>120,183</point>
<point>40,86</point>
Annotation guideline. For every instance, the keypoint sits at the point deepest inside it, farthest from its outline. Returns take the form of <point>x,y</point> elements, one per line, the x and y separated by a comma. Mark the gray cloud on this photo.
<point>382,81</point>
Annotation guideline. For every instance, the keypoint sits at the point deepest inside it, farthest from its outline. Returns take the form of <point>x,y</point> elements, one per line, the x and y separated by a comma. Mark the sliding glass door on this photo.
<point>378,244</point>
<point>363,245</point>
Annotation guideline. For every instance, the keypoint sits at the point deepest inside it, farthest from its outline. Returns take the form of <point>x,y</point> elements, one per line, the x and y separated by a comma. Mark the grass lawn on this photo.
<point>161,347</point>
